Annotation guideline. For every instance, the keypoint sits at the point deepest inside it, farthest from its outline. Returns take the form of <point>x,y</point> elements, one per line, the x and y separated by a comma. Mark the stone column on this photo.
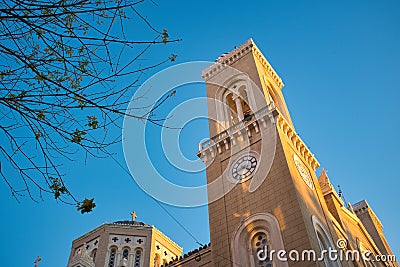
<point>239,109</point>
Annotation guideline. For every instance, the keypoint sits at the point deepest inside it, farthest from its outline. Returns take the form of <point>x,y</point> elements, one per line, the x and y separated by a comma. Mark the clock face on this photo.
<point>304,173</point>
<point>244,167</point>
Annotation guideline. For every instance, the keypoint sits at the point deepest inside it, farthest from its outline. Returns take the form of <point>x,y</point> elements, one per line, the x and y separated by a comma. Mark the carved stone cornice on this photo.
<point>231,137</point>
<point>297,143</point>
<point>236,54</point>
<point>267,67</point>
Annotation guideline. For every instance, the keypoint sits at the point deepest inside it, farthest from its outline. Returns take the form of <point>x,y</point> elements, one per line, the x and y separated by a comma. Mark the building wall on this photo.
<point>129,235</point>
<point>281,193</point>
<point>164,249</point>
<point>291,205</point>
<point>373,226</point>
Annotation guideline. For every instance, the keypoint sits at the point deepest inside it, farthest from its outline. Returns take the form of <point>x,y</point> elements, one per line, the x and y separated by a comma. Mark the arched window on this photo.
<point>111,260</point>
<point>125,254</point>
<point>125,257</point>
<point>260,241</point>
<point>93,254</point>
<point>232,109</point>
<point>325,242</point>
<point>273,96</point>
<point>138,256</point>
<point>247,112</point>
<point>237,105</point>
<point>260,231</point>
<point>235,102</point>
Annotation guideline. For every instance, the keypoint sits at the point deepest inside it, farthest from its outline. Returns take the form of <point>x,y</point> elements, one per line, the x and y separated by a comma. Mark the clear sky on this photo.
<point>339,61</point>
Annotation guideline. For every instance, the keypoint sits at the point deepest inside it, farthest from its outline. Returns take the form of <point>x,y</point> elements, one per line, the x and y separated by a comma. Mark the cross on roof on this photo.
<point>37,261</point>
<point>134,216</point>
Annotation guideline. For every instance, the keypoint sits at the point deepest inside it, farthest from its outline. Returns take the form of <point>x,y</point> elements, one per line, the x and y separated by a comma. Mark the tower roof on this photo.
<point>237,53</point>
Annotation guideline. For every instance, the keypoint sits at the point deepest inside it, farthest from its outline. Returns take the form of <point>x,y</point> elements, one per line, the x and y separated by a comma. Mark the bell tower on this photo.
<point>262,187</point>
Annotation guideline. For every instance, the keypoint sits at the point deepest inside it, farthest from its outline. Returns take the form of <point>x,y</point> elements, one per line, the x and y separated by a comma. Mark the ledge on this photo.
<point>228,59</point>
<point>297,143</point>
<point>225,140</point>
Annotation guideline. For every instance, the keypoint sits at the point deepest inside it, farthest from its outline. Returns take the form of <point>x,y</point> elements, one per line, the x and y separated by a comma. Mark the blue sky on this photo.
<point>339,61</point>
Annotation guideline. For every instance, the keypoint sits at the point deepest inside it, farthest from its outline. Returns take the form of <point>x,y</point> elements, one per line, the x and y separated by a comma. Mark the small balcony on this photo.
<point>249,126</point>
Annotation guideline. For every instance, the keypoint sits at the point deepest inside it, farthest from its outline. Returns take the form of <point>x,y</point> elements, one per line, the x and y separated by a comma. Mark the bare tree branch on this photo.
<point>67,72</point>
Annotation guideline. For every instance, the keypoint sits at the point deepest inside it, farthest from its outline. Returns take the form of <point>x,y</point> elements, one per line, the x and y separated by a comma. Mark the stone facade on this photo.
<point>262,187</point>
<point>290,207</point>
<point>123,244</point>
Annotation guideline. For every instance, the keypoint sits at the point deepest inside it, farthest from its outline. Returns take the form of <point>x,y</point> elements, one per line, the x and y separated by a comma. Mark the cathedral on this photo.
<point>267,206</point>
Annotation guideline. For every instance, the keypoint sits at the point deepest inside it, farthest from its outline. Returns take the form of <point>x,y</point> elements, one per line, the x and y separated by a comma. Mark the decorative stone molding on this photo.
<point>88,246</point>
<point>259,222</point>
<point>303,171</point>
<point>325,241</point>
<point>267,67</point>
<point>236,54</point>
<point>297,143</point>
<point>232,137</point>
<point>228,138</point>
<point>127,240</point>
<point>82,258</point>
